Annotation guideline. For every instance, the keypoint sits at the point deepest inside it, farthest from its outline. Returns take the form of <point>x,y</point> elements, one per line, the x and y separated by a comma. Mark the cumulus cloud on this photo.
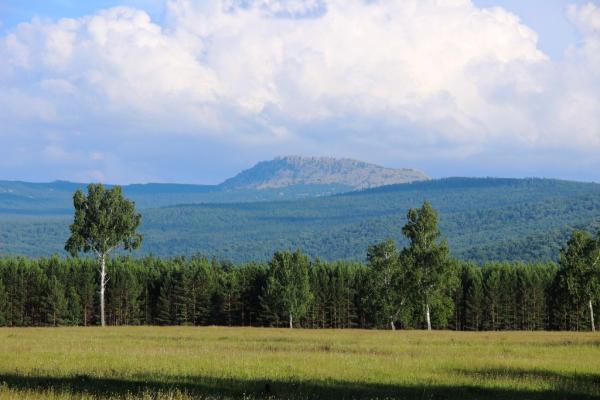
<point>433,77</point>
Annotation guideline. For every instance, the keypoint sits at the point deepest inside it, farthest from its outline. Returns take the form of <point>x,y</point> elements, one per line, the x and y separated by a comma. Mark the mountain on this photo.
<point>284,178</point>
<point>295,170</point>
<point>482,219</point>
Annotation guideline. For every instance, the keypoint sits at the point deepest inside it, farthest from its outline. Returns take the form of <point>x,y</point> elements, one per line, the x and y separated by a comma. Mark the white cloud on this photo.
<point>585,17</point>
<point>431,74</point>
<point>577,103</point>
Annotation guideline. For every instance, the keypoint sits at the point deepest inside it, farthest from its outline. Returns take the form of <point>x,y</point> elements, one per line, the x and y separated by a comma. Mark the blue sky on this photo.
<point>17,11</point>
<point>547,17</point>
<point>135,91</point>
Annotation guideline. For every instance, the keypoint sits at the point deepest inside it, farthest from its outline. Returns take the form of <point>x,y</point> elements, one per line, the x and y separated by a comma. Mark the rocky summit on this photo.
<point>295,170</point>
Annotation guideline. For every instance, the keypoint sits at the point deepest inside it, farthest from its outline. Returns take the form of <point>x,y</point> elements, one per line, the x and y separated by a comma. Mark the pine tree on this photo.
<point>231,303</point>
<point>164,312</point>
<point>493,293</point>
<point>180,299</point>
<point>35,313</point>
<point>124,291</point>
<point>320,287</point>
<point>55,301</point>
<point>3,303</point>
<point>363,298</point>
<point>201,288</point>
<point>252,280</point>
<point>473,298</point>
<point>74,308</point>
<point>85,275</point>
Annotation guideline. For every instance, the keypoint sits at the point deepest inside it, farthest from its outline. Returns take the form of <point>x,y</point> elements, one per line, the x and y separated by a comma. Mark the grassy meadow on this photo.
<point>225,363</point>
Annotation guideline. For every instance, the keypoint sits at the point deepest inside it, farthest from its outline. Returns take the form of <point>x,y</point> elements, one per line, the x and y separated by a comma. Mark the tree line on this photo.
<point>199,291</point>
<point>417,286</point>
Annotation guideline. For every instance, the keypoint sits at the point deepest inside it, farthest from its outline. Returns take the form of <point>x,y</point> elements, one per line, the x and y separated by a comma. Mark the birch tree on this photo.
<point>427,257</point>
<point>387,285</point>
<point>287,292</point>
<point>104,220</point>
<point>579,271</point>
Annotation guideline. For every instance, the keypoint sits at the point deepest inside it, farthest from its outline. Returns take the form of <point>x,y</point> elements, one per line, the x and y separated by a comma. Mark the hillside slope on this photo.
<point>483,220</point>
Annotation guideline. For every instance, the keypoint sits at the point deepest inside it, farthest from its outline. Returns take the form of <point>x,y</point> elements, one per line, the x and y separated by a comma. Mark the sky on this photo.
<point>196,90</point>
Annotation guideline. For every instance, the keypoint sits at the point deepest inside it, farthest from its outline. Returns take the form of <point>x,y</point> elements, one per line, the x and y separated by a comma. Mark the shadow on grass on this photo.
<point>582,384</point>
<point>571,387</point>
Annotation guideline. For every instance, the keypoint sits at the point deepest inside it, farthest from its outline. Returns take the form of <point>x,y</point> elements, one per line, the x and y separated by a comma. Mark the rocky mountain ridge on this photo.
<point>296,170</point>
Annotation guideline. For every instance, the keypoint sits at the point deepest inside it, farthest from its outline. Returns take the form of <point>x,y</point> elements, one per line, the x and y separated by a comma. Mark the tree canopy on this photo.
<point>103,220</point>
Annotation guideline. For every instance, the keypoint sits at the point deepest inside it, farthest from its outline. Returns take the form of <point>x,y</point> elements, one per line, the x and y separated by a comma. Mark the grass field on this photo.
<point>224,363</point>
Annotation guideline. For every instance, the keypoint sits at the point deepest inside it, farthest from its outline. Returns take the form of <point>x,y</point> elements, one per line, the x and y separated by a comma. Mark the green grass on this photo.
<point>224,363</point>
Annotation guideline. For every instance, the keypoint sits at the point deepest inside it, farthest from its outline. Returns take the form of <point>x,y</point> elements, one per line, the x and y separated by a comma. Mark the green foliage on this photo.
<point>335,288</point>
<point>103,220</point>
<point>55,301</point>
<point>124,289</point>
<point>198,291</point>
<point>55,198</point>
<point>578,277</point>
<point>3,303</point>
<point>483,220</point>
<point>468,298</point>
<point>515,296</point>
<point>287,292</point>
<point>429,272</point>
<point>388,285</point>
<point>251,279</point>
<point>165,314</point>
<point>394,287</point>
<point>85,287</point>
<point>74,308</point>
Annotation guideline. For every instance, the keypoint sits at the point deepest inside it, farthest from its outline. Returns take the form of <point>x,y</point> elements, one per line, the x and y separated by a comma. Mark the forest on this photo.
<point>414,286</point>
<point>483,220</point>
<point>200,291</point>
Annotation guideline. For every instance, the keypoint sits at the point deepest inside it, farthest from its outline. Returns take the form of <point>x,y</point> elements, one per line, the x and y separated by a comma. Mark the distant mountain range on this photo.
<point>284,178</point>
<point>325,213</point>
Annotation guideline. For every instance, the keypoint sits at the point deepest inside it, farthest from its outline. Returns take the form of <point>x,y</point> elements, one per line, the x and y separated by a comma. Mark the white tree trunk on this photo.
<point>590,305</point>
<point>393,325</point>
<point>102,287</point>
<point>291,321</point>
<point>428,317</point>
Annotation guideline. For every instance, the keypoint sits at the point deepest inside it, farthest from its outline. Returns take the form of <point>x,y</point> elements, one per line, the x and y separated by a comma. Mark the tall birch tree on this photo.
<point>579,271</point>
<point>427,258</point>
<point>287,292</point>
<point>387,285</point>
<point>104,220</point>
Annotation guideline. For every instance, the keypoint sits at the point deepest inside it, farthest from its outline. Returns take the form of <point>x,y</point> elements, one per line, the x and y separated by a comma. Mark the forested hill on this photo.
<point>284,178</point>
<point>483,220</point>
<point>56,197</point>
